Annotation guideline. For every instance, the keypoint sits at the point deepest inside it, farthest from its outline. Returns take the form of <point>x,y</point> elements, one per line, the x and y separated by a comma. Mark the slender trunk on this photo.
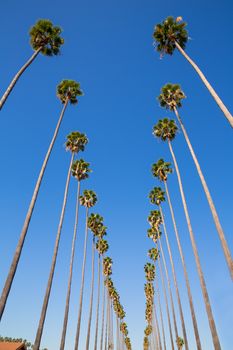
<point>52,269</point>
<point>97,306</point>
<point>175,281</point>
<point>166,302</point>
<point>154,334</point>
<point>169,289</point>
<point>82,285</point>
<point>161,314</point>
<point>103,313</point>
<point>194,320</point>
<point>157,327</point>
<point>18,251</point>
<point>213,329</point>
<point>217,99</point>
<point>112,327</point>
<point>92,294</point>
<point>221,235</point>
<point>17,76</point>
<point>107,323</point>
<point>63,338</point>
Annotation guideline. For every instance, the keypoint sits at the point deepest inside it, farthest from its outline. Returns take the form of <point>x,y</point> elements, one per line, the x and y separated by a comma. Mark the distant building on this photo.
<point>12,346</point>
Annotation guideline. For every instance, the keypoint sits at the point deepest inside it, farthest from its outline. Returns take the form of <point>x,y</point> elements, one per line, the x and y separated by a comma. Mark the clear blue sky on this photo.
<point>108,49</point>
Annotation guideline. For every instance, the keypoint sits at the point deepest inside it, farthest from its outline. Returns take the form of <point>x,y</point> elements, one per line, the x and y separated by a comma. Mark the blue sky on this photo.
<point>109,50</point>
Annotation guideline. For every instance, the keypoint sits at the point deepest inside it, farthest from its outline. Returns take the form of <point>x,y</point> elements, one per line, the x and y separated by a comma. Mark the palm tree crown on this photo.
<point>153,254</point>
<point>157,195</point>
<point>80,169</point>
<point>161,169</point>
<point>69,89</point>
<point>150,272</point>
<point>107,266</point>
<point>168,32</point>
<point>88,199</point>
<point>165,129</point>
<point>171,96</point>
<point>76,142</point>
<point>46,36</point>
<point>102,246</point>
<point>155,219</point>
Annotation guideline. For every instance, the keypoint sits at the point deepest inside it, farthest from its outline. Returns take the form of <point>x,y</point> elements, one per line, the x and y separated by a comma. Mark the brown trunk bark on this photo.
<point>217,99</point>
<point>52,269</point>
<point>63,338</point>
<point>175,281</point>
<point>161,314</point>
<point>213,329</point>
<point>221,235</point>
<point>17,76</point>
<point>97,307</point>
<point>18,251</point>
<point>82,285</point>
<point>166,302</point>
<point>194,320</point>
<point>92,294</point>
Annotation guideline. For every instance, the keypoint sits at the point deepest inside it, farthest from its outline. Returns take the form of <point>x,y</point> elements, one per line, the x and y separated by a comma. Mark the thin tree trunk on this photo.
<point>221,235</point>
<point>97,307</point>
<point>217,99</point>
<point>157,326</point>
<point>82,285</point>
<point>112,326</point>
<point>52,269</point>
<point>92,295</point>
<point>175,281</point>
<point>17,76</point>
<point>166,302</point>
<point>161,314</point>
<point>154,334</point>
<point>213,329</point>
<point>63,338</point>
<point>194,320</point>
<point>169,289</point>
<point>18,251</point>
<point>107,323</point>
<point>103,313</point>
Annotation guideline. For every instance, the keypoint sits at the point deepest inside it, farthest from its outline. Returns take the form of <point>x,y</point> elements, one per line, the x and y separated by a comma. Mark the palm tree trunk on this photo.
<point>157,327</point>
<point>103,313</point>
<point>154,334</point>
<point>194,320</point>
<point>175,281</point>
<point>92,295</point>
<point>213,329</point>
<point>161,314</point>
<point>107,323</point>
<point>166,302</point>
<point>97,307</point>
<point>18,251</point>
<point>63,338</point>
<point>217,99</point>
<point>17,76</point>
<point>82,285</point>
<point>51,274</point>
<point>221,235</point>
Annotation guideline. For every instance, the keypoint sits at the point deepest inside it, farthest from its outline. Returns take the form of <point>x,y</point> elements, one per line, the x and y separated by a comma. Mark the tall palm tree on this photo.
<point>74,145</point>
<point>67,91</point>
<point>171,35</point>
<point>166,130</point>
<point>102,248</point>
<point>99,231</point>
<point>80,171</point>
<point>45,39</point>
<point>88,200</point>
<point>157,196</point>
<point>161,170</point>
<point>170,98</point>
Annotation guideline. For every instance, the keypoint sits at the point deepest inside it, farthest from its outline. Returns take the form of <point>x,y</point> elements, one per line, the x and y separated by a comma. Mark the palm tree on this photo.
<point>102,248</point>
<point>44,38</point>
<point>171,34</point>
<point>161,170</point>
<point>99,231</point>
<point>157,196</point>
<point>88,200</point>
<point>80,171</point>
<point>166,130</point>
<point>71,90</point>
<point>170,98</point>
<point>74,147</point>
